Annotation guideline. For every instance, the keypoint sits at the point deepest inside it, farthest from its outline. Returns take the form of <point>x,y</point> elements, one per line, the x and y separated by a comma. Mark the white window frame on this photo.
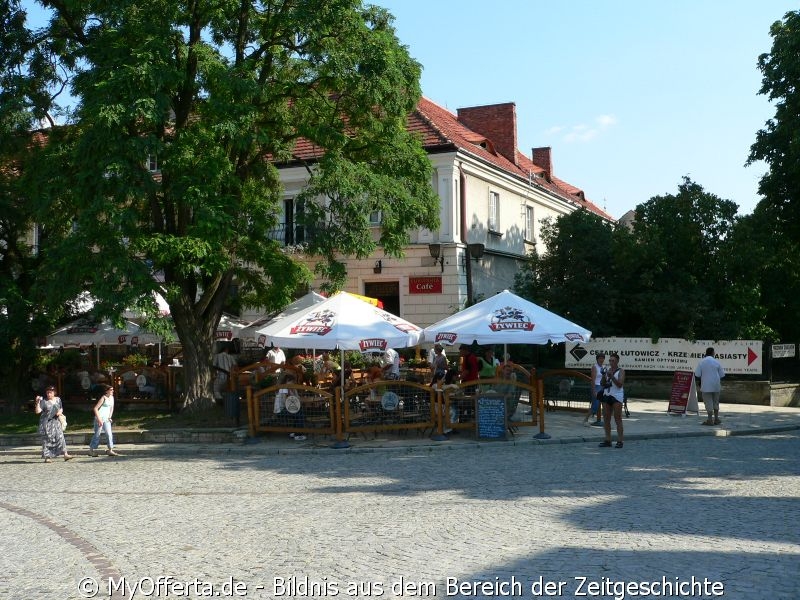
<point>493,222</point>
<point>375,218</point>
<point>529,233</point>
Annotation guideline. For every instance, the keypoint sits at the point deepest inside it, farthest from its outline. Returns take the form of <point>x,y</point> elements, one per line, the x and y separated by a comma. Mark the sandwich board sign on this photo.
<point>683,395</point>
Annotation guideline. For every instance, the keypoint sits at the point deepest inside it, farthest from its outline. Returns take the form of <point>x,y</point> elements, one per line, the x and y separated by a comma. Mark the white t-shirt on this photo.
<point>106,408</point>
<point>392,359</point>
<point>276,356</point>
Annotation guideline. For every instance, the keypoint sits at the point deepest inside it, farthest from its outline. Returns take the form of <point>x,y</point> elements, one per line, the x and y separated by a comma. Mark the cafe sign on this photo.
<point>424,285</point>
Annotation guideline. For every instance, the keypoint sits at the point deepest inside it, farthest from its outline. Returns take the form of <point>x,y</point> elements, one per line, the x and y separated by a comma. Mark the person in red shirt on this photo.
<point>469,363</point>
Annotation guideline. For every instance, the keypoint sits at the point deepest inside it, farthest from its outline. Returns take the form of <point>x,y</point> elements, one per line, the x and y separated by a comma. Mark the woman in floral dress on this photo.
<point>53,442</point>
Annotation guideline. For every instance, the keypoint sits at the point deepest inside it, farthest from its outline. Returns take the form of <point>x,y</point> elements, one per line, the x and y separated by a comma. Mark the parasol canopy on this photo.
<point>505,318</point>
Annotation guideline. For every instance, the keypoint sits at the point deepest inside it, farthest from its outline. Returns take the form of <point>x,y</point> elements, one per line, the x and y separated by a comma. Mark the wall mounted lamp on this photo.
<point>378,267</point>
<point>476,250</point>
<point>436,254</point>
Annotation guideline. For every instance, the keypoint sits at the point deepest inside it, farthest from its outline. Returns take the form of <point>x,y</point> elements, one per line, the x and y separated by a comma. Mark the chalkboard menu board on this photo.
<point>490,418</point>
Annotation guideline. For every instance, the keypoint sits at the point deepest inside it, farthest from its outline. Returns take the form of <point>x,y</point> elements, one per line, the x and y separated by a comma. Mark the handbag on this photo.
<point>600,395</point>
<point>62,418</point>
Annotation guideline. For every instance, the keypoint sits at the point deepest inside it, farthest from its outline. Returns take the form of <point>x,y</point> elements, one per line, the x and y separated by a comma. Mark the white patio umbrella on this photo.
<point>505,318</point>
<point>87,332</point>
<point>251,332</point>
<point>343,321</point>
<point>229,327</point>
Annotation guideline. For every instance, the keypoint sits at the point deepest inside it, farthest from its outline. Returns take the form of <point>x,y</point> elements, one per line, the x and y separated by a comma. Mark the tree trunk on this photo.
<point>198,372</point>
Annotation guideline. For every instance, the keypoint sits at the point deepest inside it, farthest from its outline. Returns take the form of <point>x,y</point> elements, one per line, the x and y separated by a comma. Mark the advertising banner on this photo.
<point>738,357</point>
<point>783,350</point>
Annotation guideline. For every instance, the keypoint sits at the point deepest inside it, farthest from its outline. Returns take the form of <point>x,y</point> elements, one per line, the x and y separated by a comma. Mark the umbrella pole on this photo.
<point>339,400</point>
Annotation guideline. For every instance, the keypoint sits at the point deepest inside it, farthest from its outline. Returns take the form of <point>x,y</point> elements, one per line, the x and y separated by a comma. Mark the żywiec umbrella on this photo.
<point>505,318</point>
<point>229,327</point>
<point>345,322</point>
<point>86,332</point>
<point>251,332</point>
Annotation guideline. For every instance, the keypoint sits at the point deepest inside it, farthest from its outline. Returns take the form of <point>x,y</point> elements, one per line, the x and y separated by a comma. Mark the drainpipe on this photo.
<point>463,209</point>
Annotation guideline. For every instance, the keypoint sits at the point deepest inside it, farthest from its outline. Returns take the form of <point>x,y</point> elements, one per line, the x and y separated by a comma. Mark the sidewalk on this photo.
<point>649,420</point>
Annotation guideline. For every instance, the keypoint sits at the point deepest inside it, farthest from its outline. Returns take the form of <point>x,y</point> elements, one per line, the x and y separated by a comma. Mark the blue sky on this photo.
<point>630,94</point>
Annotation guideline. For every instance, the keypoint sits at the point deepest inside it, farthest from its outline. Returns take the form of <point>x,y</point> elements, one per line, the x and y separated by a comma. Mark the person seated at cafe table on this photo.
<point>469,363</point>
<point>488,364</point>
<point>285,411</point>
<point>391,364</point>
<point>325,367</point>
<point>439,364</point>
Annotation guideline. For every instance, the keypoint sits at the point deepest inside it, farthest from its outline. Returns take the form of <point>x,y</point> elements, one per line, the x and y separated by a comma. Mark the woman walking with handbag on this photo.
<point>50,410</point>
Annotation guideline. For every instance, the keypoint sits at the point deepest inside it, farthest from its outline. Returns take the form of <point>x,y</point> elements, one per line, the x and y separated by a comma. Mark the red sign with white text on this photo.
<point>424,285</point>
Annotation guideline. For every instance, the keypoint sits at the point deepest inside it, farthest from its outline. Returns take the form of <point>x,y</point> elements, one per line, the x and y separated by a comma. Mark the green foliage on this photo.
<point>681,272</point>
<point>575,276</point>
<point>219,94</point>
<point>777,142</point>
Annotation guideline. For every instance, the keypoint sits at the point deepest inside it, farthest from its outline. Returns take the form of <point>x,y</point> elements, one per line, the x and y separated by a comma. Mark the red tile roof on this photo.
<point>441,131</point>
<point>451,131</point>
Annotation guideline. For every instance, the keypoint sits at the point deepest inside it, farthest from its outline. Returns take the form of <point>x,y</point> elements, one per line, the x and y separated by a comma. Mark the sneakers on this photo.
<point>597,424</point>
<point>299,438</point>
<point>92,452</point>
<point>619,445</point>
<point>111,452</point>
<point>604,444</point>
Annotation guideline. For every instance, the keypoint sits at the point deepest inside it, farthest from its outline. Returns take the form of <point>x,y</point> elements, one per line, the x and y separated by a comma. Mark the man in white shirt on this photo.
<point>224,362</point>
<point>391,364</point>
<point>276,356</point>
<point>708,373</point>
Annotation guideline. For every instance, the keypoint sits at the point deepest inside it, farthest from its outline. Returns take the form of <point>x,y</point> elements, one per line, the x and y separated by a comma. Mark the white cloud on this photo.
<point>605,121</point>
<point>582,132</point>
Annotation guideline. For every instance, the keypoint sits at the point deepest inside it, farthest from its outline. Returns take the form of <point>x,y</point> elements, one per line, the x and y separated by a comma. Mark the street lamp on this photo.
<point>436,254</point>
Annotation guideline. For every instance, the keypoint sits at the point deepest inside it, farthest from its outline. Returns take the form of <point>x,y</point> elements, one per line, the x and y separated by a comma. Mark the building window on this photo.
<point>152,163</point>
<point>529,234</point>
<point>494,211</point>
<point>293,231</point>
<point>375,218</point>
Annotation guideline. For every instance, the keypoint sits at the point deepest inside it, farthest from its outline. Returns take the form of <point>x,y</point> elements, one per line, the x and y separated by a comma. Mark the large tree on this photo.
<point>573,277</point>
<point>215,95</point>
<point>778,143</point>
<point>683,278</point>
<point>28,309</point>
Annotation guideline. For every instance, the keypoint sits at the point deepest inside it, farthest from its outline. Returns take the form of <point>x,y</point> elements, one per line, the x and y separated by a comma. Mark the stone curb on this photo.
<point>257,448</point>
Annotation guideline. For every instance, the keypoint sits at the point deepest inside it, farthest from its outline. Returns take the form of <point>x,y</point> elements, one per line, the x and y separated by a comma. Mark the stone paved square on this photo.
<point>549,521</point>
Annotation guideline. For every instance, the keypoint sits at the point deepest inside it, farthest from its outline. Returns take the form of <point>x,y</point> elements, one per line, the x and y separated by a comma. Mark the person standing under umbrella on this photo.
<point>50,409</point>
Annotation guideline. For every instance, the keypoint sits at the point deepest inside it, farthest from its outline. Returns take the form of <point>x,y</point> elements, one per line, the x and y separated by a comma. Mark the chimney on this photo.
<point>497,123</point>
<point>543,157</point>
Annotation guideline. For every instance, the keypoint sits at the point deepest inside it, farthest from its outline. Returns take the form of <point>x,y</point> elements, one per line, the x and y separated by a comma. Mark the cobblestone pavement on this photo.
<point>704,517</point>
